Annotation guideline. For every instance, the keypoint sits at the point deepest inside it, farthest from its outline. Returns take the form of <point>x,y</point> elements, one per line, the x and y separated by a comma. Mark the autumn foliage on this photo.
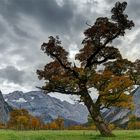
<point>134,122</point>
<point>20,119</point>
<point>57,124</point>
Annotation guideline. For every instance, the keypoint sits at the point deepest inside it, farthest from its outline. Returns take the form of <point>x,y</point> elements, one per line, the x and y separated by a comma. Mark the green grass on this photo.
<point>67,135</point>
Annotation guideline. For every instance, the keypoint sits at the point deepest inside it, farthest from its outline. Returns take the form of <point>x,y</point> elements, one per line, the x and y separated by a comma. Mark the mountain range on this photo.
<point>48,108</point>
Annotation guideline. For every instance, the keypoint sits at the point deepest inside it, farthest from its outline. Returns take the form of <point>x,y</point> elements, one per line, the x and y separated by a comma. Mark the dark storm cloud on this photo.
<point>21,32</point>
<point>2,29</point>
<point>46,12</point>
<point>52,18</point>
<point>12,74</point>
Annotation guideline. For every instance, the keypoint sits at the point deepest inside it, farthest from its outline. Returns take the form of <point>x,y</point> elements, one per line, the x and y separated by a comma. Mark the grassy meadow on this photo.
<point>67,135</point>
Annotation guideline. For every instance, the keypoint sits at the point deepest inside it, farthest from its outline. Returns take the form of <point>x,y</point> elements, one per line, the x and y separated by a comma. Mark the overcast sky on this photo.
<point>26,24</point>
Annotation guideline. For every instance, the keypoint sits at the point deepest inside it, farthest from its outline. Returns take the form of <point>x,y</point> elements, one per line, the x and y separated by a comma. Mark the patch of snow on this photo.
<point>69,98</point>
<point>32,98</point>
<point>20,100</point>
<point>127,92</point>
<point>135,86</point>
<point>6,99</point>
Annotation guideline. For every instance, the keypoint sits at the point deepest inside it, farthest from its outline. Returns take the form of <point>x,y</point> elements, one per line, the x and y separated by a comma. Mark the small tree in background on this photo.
<point>133,123</point>
<point>35,123</point>
<point>60,123</point>
<point>2,126</point>
<point>56,124</point>
<point>112,83</point>
<point>53,126</point>
<point>20,119</point>
<point>22,122</point>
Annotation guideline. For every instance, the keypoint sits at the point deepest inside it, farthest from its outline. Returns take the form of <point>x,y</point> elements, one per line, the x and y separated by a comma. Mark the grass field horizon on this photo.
<point>67,135</point>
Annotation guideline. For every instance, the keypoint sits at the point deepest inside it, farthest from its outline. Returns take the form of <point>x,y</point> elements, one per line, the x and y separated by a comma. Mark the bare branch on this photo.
<point>88,24</point>
<point>64,66</point>
<point>60,90</point>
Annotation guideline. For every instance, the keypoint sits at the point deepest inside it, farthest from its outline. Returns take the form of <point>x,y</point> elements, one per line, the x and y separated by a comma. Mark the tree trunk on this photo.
<point>101,125</point>
<point>96,115</point>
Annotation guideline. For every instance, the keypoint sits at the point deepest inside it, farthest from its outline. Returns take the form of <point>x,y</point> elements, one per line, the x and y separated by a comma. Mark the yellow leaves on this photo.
<point>134,122</point>
<point>119,100</point>
<point>108,82</point>
<point>118,83</point>
<point>35,123</point>
<point>106,74</point>
<point>100,80</point>
<point>125,101</point>
<point>113,88</point>
<point>21,119</point>
<point>120,66</point>
<point>133,125</point>
<point>56,124</point>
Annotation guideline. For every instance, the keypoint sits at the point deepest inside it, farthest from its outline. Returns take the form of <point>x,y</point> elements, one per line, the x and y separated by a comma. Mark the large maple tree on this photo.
<point>113,82</point>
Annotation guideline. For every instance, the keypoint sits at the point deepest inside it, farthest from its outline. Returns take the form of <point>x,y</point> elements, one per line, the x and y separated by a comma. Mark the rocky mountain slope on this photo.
<point>4,110</point>
<point>120,116</point>
<point>47,108</point>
